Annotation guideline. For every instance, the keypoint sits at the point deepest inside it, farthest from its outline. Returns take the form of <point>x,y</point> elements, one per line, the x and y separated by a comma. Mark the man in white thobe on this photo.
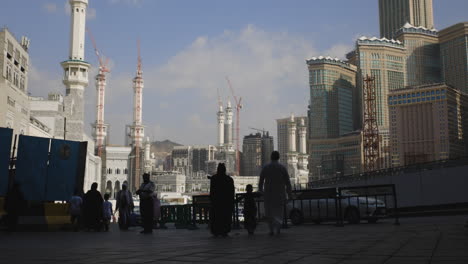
<point>274,184</point>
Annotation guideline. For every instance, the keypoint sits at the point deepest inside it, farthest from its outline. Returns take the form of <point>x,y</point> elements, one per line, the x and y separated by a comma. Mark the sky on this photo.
<point>189,47</point>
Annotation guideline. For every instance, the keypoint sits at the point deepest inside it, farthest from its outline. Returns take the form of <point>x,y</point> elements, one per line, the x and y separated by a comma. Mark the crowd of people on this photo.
<point>94,212</point>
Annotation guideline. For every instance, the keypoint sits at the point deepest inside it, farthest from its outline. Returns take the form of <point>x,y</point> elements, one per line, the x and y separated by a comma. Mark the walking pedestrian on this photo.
<point>275,184</point>
<point>222,202</point>
<point>124,204</point>
<point>107,212</point>
<point>76,203</point>
<point>146,203</point>
<point>92,208</point>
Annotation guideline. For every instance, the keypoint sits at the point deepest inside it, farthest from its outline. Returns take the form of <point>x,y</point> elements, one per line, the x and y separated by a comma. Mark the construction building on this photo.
<point>428,123</point>
<point>393,14</point>
<point>252,155</point>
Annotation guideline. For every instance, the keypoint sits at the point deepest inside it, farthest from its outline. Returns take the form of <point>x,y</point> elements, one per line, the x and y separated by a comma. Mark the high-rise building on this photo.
<point>422,54</point>
<point>14,106</point>
<point>384,60</point>
<point>332,108</point>
<point>200,156</point>
<point>427,123</point>
<point>267,148</point>
<point>282,134</point>
<point>252,155</point>
<point>393,14</point>
<point>454,55</point>
<point>256,153</point>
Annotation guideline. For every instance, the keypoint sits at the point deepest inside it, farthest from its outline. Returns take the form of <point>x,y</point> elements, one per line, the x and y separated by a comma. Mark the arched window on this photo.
<point>117,171</point>
<point>125,171</point>
<point>109,171</point>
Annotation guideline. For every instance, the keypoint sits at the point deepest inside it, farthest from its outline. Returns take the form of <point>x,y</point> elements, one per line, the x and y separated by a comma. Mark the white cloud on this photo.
<point>40,83</point>
<point>50,7</point>
<point>267,69</point>
<point>91,13</point>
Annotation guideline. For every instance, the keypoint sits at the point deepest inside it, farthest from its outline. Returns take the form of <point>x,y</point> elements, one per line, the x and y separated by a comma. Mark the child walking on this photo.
<point>107,206</point>
<point>250,210</point>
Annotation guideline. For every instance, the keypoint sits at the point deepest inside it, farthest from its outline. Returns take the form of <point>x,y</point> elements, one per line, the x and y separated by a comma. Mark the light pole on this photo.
<point>319,167</point>
<point>353,168</point>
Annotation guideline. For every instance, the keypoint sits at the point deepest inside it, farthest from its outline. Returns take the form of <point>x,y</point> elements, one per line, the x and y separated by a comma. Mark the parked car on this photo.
<point>354,208</point>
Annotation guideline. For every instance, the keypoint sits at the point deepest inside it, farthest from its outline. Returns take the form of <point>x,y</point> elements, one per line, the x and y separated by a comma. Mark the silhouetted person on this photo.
<point>146,204</point>
<point>92,208</point>
<point>250,210</point>
<point>14,204</point>
<point>274,183</point>
<point>76,204</point>
<point>124,204</point>
<point>222,202</point>
<point>107,211</point>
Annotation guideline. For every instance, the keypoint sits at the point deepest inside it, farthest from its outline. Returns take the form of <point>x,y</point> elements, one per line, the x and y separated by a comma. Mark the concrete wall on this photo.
<point>425,187</point>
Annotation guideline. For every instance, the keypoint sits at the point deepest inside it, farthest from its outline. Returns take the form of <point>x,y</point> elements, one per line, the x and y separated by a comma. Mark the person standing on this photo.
<point>124,205</point>
<point>92,208</point>
<point>107,211</point>
<point>222,202</point>
<point>146,203</point>
<point>275,184</point>
<point>250,209</point>
<point>75,211</point>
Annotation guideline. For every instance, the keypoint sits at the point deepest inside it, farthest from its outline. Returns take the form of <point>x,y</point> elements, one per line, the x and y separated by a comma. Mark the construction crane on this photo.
<point>101,87</point>
<point>238,108</point>
<point>259,130</point>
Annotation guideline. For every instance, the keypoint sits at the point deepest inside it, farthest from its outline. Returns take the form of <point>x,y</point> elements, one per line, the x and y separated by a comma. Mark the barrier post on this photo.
<point>397,217</point>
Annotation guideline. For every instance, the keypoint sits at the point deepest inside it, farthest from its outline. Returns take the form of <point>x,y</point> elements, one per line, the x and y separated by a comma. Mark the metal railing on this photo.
<point>350,204</point>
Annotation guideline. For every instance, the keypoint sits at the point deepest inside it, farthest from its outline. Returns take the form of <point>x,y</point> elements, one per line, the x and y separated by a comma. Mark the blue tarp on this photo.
<point>31,167</point>
<point>6,135</point>
<point>63,169</point>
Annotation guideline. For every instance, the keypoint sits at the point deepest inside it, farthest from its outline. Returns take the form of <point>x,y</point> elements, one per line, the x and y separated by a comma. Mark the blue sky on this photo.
<point>188,47</point>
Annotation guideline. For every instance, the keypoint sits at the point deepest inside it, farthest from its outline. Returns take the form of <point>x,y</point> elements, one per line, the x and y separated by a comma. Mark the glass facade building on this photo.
<point>332,91</point>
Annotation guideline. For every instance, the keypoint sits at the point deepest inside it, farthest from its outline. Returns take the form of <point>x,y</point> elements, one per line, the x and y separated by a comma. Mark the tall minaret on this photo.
<point>292,134</point>
<point>99,127</point>
<point>75,77</point>
<point>228,128</point>
<point>303,158</point>
<point>302,137</point>
<point>137,129</point>
<point>220,126</point>
<point>292,155</point>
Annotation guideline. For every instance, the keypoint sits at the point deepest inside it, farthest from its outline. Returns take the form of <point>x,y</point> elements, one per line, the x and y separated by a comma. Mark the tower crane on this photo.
<point>238,108</point>
<point>259,130</point>
<point>101,87</point>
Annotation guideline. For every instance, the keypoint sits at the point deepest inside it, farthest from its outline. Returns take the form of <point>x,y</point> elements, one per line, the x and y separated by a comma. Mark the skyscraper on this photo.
<point>454,55</point>
<point>332,92</point>
<point>422,54</point>
<point>256,152</point>
<point>427,123</point>
<point>393,14</point>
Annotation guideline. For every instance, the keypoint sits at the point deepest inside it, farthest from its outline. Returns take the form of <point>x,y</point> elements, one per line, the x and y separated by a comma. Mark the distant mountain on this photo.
<point>161,149</point>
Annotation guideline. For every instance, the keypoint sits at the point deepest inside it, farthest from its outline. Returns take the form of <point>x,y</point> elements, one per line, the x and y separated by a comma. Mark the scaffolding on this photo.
<point>370,128</point>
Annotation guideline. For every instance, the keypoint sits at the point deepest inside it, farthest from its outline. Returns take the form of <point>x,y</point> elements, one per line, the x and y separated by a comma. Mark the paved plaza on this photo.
<point>416,240</point>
